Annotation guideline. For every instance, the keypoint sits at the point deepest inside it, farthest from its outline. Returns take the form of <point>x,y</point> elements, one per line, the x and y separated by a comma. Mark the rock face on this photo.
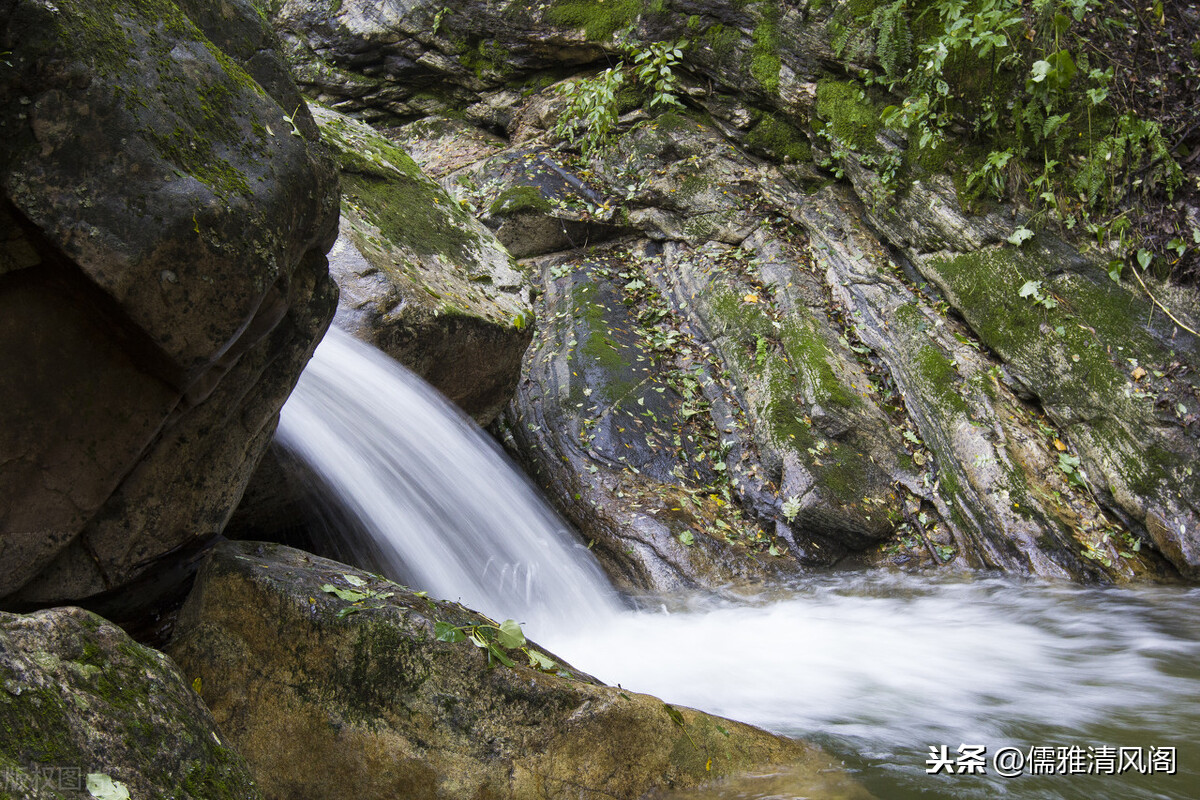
<point>785,353</point>
<point>162,279</point>
<point>84,711</point>
<point>421,279</point>
<point>352,696</point>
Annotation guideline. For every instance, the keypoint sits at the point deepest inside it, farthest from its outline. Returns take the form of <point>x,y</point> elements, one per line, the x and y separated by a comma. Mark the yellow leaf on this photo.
<point>1139,373</point>
<point>750,298</point>
<point>708,765</point>
<point>196,686</point>
<point>1058,445</point>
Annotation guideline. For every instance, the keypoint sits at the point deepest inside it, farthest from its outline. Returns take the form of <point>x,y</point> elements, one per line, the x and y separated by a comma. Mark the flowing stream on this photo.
<point>877,667</point>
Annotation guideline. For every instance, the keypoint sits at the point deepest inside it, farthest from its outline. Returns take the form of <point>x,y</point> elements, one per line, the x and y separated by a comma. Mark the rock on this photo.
<point>929,431</point>
<point>164,281</point>
<point>342,698</point>
<point>83,707</point>
<point>420,278</point>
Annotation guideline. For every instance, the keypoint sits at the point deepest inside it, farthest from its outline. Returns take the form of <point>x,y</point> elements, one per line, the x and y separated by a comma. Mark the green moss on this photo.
<point>721,41</point>
<point>483,56</point>
<point>850,117</point>
<point>34,727</point>
<point>516,199</point>
<point>764,53</point>
<point>599,21</point>
<point>598,346</point>
<point>777,139</point>
<point>202,103</point>
<point>810,354</point>
<point>391,192</point>
<point>987,284</point>
<point>941,375</point>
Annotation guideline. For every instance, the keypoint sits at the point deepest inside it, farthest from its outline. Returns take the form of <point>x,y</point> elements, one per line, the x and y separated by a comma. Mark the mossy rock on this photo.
<point>778,139</point>
<point>80,701</point>
<point>421,278</point>
<point>330,698</point>
<point>851,119</point>
<point>173,232</point>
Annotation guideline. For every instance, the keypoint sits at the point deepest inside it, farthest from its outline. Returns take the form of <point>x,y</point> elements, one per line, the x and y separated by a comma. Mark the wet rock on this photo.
<point>86,712</point>
<point>966,438</point>
<point>420,278</point>
<point>332,697</point>
<point>162,281</point>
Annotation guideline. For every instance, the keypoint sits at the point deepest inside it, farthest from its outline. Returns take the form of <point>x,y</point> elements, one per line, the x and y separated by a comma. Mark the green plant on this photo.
<point>1031,92</point>
<point>791,508</point>
<point>594,107</point>
<point>496,641</point>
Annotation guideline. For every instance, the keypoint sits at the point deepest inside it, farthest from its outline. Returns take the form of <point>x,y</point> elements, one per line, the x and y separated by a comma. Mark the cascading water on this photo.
<point>440,504</point>
<point>878,667</point>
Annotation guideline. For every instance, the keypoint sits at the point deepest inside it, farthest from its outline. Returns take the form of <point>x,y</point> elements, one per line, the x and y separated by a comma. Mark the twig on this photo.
<point>1154,300</point>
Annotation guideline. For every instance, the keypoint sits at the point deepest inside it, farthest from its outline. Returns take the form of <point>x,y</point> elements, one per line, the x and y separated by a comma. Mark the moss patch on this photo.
<point>599,21</point>
<point>849,116</point>
<point>764,53</point>
<point>516,199</point>
<point>777,139</point>
<point>392,193</point>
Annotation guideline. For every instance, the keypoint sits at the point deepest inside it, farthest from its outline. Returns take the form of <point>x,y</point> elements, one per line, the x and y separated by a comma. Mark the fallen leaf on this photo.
<point>750,298</point>
<point>1058,445</point>
<point>1139,373</point>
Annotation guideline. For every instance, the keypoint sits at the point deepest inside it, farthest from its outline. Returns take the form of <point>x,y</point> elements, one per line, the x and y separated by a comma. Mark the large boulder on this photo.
<point>86,712</point>
<point>422,279</point>
<point>335,683</point>
<point>162,279</point>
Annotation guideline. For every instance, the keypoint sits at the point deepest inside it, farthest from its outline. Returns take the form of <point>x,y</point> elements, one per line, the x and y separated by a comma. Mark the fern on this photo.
<point>894,44</point>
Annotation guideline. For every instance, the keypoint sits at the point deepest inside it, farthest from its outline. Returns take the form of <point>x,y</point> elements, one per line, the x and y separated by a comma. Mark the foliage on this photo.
<point>591,116</point>
<point>497,641</point>
<point>1031,86</point>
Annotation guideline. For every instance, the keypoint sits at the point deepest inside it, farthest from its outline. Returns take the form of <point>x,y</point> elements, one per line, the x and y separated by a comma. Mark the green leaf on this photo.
<point>346,611</point>
<point>542,662</point>
<point>687,538</point>
<point>498,654</point>
<point>354,581</point>
<point>674,714</point>
<point>103,787</point>
<point>1144,258</point>
<point>445,632</point>
<point>1020,236</point>
<point>1031,289</point>
<point>511,635</point>
<point>345,594</point>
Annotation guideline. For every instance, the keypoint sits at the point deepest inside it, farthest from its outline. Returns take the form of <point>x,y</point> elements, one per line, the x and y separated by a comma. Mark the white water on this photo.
<point>444,509</point>
<point>876,666</point>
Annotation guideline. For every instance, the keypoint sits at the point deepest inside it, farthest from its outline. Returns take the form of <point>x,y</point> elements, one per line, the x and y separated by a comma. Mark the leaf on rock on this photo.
<point>511,635</point>
<point>445,632</point>
<point>103,787</point>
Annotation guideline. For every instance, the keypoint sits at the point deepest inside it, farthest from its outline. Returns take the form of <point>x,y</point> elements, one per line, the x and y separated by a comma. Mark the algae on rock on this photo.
<point>361,700</point>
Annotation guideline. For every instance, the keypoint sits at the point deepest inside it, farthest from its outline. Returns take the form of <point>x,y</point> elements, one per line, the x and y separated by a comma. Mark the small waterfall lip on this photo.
<point>431,499</point>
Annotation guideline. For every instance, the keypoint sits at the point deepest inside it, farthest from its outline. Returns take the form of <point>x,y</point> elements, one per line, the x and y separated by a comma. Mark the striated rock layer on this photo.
<point>767,336</point>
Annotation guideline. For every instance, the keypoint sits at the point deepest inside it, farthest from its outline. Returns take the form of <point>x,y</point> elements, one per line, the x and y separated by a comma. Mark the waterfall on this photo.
<point>877,666</point>
<point>439,504</point>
